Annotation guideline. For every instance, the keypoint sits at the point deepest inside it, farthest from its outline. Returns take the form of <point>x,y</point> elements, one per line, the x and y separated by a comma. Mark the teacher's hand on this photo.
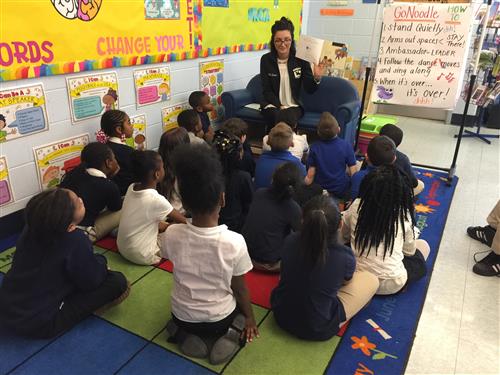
<point>318,71</point>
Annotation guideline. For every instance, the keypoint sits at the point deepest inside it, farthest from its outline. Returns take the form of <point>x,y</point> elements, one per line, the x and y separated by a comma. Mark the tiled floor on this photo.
<point>459,330</point>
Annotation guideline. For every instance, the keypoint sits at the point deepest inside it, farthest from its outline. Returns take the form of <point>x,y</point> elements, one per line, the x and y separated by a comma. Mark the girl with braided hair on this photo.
<point>238,183</point>
<point>380,226</point>
<point>319,288</point>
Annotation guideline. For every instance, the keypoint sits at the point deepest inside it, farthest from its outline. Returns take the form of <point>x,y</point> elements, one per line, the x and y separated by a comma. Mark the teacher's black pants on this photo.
<point>289,115</point>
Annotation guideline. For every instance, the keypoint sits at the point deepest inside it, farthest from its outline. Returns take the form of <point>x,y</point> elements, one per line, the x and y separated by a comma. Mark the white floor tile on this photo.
<point>459,330</point>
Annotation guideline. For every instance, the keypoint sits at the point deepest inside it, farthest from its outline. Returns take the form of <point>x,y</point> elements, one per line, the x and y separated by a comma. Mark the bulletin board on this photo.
<point>50,37</point>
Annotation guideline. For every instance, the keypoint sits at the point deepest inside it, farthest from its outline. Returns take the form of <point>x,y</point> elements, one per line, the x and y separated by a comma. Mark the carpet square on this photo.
<point>154,360</point>
<point>93,347</point>
<point>277,352</point>
<point>260,285</point>
<point>132,271</point>
<point>108,243</point>
<point>161,340</point>
<point>146,310</point>
<point>7,256</point>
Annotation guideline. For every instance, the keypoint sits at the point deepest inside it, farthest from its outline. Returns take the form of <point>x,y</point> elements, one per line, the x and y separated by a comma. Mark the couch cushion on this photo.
<point>309,120</point>
<point>249,114</point>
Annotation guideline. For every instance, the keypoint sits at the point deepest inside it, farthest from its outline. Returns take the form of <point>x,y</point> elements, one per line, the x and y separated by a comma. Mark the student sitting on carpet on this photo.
<point>211,310</point>
<point>402,161</point>
<point>91,182</point>
<point>381,151</point>
<point>272,216</point>
<point>168,187</point>
<point>239,128</point>
<point>380,227</point>
<point>280,139</point>
<point>200,102</point>
<point>116,126</point>
<point>190,120</point>
<point>144,211</point>
<point>239,185</point>
<point>56,281</point>
<point>329,158</point>
<point>318,288</point>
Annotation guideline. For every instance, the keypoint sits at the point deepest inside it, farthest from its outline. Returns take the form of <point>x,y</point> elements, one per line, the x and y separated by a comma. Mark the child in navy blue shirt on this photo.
<point>272,216</point>
<point>328,159</point>
<point>116,125</point>
<point>91,182</point>
<point>402,161</point>
<point>319,288</point>
<point>56,281</point>
<point>200,102</point>
<point>239,128</point>
<point>381,151</point>
<point>280,139</point>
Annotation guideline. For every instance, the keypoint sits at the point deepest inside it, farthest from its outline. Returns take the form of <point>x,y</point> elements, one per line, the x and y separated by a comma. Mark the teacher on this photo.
<point>283,75</point>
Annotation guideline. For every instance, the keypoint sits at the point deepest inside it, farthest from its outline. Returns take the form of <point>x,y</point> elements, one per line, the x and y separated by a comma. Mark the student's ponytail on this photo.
<point>319,229</point>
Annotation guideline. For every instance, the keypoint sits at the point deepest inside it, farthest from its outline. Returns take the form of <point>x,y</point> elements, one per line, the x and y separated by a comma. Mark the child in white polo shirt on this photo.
<point>211,310</point>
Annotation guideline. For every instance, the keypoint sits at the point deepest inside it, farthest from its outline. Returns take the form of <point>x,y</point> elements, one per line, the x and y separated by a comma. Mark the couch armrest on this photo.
<point>347,111</point>
<point>234,100</point>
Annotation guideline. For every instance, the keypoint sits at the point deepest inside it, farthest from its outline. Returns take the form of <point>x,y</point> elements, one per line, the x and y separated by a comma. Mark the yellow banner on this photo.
<point>22,99</point>
<point>40,38</point>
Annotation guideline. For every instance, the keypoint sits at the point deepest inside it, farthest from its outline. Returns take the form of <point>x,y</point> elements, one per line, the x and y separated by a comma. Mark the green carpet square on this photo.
<point>5,268</point>
<point>132,271</point>
<point>277,352</point>
<point>7,256</point>
<point>161,340</point>
<point>146,310</point>
<point>99,250</point>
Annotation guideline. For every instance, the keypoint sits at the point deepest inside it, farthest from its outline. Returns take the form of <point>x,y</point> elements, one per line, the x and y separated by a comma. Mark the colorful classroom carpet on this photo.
<point>131,338</point>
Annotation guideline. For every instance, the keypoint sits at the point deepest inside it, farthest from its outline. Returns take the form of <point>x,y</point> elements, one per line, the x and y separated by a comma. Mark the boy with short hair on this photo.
<point>402,161</point>
<point>239,128</point>
<point>211,309</point>
<point>190,120</point>
<point>200,102</point>
<point>381,151</point>
<point>280,139</point>
<point>328,159</point>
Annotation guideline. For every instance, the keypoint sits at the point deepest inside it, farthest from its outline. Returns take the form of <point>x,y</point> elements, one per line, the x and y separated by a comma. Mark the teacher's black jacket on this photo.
<point>299,72</point>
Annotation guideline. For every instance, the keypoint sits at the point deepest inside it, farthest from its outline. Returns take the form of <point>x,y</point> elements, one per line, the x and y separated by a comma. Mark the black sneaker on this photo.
<point>482,234</point>
<point>488,266</point>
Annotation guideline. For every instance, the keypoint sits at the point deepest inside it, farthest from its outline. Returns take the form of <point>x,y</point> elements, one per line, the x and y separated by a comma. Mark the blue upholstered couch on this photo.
<point>335,95</point>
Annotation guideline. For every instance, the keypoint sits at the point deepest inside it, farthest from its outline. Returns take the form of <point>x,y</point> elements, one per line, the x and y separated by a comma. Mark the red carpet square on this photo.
<point>166,265</point>
<point>108,243</point>
<point>261,285</point>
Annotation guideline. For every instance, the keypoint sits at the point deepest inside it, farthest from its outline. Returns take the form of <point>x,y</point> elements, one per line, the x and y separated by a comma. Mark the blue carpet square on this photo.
<point>155,360</point>
<point>92,347</point>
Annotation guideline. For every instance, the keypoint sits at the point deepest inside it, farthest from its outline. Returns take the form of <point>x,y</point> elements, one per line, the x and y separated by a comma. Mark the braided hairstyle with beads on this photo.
<point>386,203</point>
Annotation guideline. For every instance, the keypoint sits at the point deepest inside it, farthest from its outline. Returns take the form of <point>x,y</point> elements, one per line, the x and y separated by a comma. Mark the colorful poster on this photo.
<point>92,95</point>
<point>162,9</point>
<point>22,112</point>
<point>212,82</point>
<point>152,85</point>
<point>216,3</point>
<point>55,159</point>
<point>138,140</point>
<point>169,115</point>
<point>50,37</point>
<point>422,54</point>
<point>6,195</point>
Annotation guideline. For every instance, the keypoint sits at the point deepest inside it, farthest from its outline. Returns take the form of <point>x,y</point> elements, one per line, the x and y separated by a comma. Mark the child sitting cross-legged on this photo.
<point>200,102</point>
<point>273,215</point>
<point>211,311</point>
<point>101,196</point>
<point>190,120</point>
<point>329,158</point>
<point>402,161</point>
<point>318,288</point>
<point>380,226</point>
<point>280,139</point>
<point>239,128</point>
<point>56,281</point>
<point>144,211</point>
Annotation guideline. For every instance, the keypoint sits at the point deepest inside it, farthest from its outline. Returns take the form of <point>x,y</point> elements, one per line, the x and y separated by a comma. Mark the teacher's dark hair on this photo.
<point>282,24</point>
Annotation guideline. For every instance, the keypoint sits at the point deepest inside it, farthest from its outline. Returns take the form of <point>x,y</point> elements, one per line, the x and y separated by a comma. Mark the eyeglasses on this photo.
<point>282,41</point>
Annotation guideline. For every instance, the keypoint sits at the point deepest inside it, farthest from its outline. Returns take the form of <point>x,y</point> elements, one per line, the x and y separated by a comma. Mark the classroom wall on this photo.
<point>238,70</point>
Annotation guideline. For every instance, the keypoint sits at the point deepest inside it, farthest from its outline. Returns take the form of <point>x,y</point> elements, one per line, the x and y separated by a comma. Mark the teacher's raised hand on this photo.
<point>318,71</point>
